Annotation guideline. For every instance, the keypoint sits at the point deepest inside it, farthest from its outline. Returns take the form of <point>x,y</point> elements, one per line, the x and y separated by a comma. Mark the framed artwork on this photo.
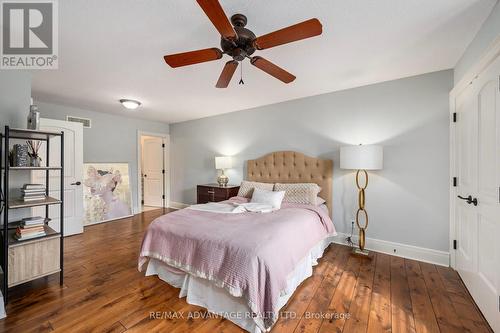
<point>106,192</point>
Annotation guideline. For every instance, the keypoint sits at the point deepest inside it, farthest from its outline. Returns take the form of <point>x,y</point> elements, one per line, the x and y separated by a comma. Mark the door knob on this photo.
<point>469,200</point>
<point>77,183</point>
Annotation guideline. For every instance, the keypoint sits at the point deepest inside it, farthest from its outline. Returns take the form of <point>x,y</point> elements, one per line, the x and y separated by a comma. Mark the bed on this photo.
<point>245,267</point>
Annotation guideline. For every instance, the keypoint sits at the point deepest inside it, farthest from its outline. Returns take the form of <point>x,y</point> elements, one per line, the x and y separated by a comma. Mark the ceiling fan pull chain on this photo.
<point>241,74</point>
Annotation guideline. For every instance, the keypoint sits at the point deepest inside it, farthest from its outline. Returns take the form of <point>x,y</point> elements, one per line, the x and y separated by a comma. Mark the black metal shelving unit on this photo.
<point>8,204</point>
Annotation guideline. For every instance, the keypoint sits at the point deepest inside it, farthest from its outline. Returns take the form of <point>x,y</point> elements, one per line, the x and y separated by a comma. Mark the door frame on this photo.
<point>490,55</point>
<point>166,163</point>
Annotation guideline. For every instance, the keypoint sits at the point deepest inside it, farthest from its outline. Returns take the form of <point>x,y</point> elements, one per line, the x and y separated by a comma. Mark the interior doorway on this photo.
<point>153,170</point>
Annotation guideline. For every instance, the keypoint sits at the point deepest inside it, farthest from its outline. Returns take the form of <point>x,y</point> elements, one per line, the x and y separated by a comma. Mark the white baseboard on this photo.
<point>177,205</point>
<point>401,250</point>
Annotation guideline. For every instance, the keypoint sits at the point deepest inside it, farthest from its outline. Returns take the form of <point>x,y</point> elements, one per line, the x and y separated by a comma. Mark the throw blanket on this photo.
<point>248,254</point>
<point>233,207</point>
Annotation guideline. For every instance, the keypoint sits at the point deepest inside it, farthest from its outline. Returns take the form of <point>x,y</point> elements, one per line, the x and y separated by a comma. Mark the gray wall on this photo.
<point>15,91</point>
<point>111,139</point>
<point>15,94</point>
<point>488,33</point>
<point>407,201</point>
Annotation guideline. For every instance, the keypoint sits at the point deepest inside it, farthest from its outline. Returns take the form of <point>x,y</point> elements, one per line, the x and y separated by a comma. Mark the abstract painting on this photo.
<point>106,192</point>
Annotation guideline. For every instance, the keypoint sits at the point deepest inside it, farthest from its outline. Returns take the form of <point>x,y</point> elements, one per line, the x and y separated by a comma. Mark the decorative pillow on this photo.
<point>299,193</point>
<point>272,198</point>
<point>246,188</point>
<point>320,201</point>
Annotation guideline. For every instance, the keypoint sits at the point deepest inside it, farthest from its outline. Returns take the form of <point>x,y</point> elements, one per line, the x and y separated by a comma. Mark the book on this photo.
<point>32,218</point>
<point>33,186</point>
<point>33,191</point>
<point>34,198</point>
<point>29,231</point>
<point>34,194</point>
<point>32,227</point>
<point>30,224</point>
<point>24,237</point>
<point>34,222</point>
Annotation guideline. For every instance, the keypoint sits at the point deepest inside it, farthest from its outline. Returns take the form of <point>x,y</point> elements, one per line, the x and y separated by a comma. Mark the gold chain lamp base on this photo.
<point>362,158</point>
<point>361,211</point>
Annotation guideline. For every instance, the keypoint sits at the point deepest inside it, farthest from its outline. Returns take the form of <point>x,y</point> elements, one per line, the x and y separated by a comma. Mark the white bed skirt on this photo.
<point>202,292</point>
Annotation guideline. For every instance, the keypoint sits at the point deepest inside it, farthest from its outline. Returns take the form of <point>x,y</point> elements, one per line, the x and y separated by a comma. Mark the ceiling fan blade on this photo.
<point>192,57</point>
<point>215,13</point>
<point>272,69</point>
<point>227,74</point>
<point>306,29</point>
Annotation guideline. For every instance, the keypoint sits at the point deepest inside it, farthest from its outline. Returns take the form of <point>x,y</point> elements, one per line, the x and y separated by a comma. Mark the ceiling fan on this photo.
<point>240,43</point>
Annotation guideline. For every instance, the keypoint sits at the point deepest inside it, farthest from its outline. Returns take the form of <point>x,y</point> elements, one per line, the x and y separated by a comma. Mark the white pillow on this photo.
<point>272,198</point>
<point>299,193</point>
<point>246,188</point>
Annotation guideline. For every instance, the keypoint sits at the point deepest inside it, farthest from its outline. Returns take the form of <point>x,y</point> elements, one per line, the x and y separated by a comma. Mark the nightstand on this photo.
<point>214,192</point>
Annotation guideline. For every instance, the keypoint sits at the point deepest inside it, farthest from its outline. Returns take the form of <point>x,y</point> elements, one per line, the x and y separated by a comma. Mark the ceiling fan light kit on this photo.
<point>240,43</point>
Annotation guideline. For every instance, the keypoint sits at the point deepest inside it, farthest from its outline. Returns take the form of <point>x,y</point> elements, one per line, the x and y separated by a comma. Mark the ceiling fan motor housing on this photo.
<point>243,46</point>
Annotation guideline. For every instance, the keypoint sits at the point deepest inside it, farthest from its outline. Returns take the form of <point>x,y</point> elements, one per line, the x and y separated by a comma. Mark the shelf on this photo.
<point>26,134</point>
<point>35,168</point>
<point>20,203</point>
<point>28,259</point>
<point>50,233</point>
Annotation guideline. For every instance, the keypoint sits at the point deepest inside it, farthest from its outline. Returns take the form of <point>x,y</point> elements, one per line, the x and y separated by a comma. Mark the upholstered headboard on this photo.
<point>293,167</point>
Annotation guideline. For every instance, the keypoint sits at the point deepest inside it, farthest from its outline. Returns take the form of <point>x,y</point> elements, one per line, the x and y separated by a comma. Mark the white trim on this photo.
<point>167,175</point>
<point>401,250</point>
<point>110,220</point>
<point>453,190</point>
<point>177,205</point>
<point>490,55</point>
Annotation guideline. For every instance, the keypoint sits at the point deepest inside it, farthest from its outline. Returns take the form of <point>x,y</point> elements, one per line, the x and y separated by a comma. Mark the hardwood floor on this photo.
<point>104,292</point>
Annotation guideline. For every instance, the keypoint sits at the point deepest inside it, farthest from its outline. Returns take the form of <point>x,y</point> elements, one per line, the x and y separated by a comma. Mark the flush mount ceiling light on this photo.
<point>130,103</point>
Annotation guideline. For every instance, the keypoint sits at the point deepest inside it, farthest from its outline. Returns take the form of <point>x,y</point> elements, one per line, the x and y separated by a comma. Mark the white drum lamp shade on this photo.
<point>362,157</point>
<point>223,162</point>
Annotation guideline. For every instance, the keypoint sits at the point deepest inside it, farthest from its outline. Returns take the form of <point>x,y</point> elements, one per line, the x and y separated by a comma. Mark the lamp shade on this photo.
<point>362,157</point>
<point>223,162</point>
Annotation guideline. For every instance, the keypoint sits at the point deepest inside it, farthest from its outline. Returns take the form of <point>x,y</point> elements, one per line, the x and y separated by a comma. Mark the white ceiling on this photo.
<point>112,49</point>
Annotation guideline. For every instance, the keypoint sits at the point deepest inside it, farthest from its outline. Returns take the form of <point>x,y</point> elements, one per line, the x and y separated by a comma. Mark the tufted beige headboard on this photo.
<point>293,167</point>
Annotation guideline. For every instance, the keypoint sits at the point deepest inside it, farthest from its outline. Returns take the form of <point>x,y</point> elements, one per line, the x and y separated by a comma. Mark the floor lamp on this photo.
<point>361,158</point>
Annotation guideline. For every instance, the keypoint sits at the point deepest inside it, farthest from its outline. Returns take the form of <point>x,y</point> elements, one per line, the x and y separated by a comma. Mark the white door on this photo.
<point>478,166</point>
<point>73,173</point>
<point>152,170</point>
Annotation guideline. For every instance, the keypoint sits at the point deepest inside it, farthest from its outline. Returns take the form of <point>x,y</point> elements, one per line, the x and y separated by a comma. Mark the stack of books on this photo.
<point>33,192</point>
<point>30,227</point>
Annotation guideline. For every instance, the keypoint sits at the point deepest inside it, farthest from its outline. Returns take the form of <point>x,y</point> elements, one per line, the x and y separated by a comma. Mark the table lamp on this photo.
<point>223,163</point>
<point>361,158</point>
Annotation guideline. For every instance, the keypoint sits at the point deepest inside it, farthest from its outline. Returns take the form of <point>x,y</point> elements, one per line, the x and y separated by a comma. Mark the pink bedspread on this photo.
<point>248,254</point>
